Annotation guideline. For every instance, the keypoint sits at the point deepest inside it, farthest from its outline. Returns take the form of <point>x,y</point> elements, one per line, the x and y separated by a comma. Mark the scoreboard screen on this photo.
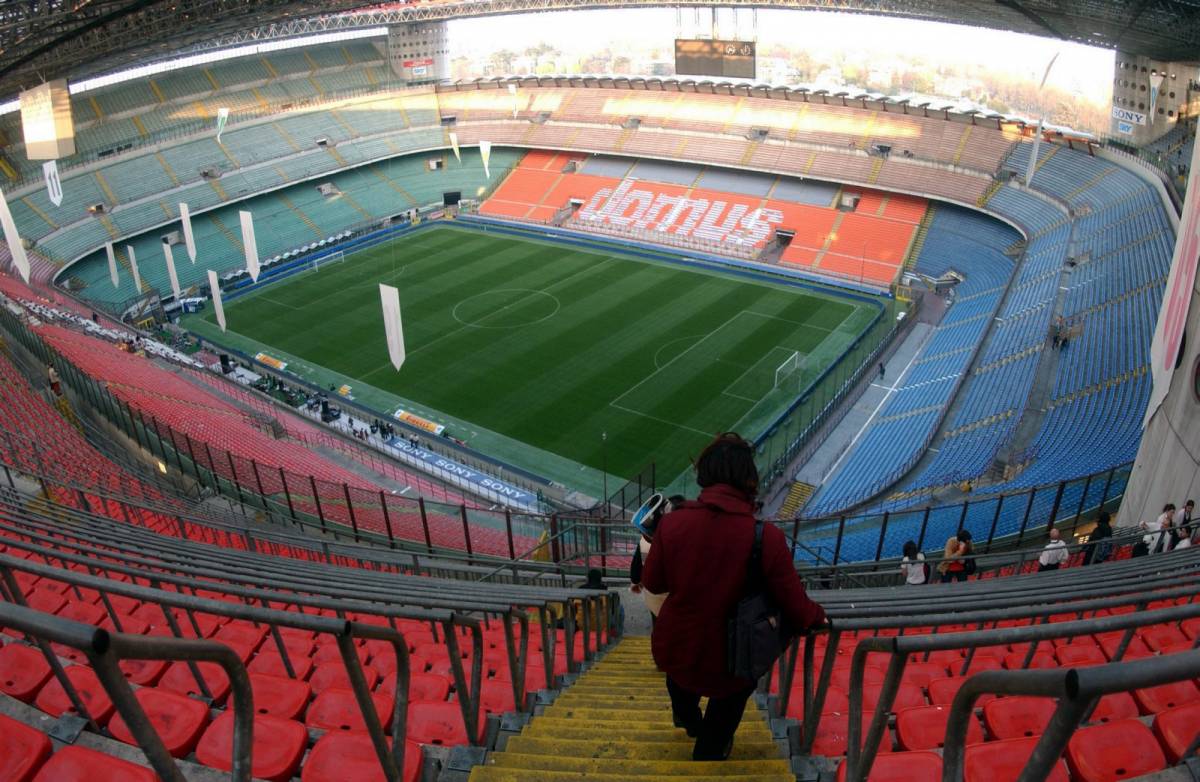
<point>729,59</point>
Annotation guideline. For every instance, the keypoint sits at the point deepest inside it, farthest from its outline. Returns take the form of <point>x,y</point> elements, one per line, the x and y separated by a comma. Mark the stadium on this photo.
<point>339,367</point>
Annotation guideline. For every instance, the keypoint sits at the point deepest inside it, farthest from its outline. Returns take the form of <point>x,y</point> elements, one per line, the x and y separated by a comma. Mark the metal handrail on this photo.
<point>105,650</point>
<point>861,755</point>
<point>1077,691</point>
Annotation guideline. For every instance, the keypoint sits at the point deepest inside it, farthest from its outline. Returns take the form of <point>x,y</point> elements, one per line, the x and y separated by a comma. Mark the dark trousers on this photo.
<point>715,728</point>
<point>1043,568</point>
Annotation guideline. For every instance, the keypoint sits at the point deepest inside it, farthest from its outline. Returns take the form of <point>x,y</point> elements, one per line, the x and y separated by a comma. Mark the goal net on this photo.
<point>337,256</point>
<point>789,371</point>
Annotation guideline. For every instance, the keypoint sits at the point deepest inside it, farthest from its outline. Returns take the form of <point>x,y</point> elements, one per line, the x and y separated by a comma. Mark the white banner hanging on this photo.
<point>171,271</point>
<point>222,118</point>
<point>393,328</point>
<point>189,240</point>
<point>112,264</point>
<point>512,91</point>
<point>53,183</point>
<point>1177,299</point>
<point>485,152</point>
<point>137,278</point>
<point>250,245</point>
<point>215,286</point>
<point>19,258</point>
<point>454,146</point>
<point>1033,156</point>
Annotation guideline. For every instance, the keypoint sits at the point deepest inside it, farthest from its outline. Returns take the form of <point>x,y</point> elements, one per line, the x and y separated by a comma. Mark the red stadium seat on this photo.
<point>351,756</point>
<point>143,672</point>
<point>1153,700</point>
<point>23,671</point>
<point>1080,656</point>
<point>1015,661</point>
<point>921,674</point>
<point>1002,761</point>
<point>942,691</point>
<point>425,686</point>
<point>333,674</point>
<point>178,720</point>
<point>180,679</point>
<point>336,709</point>
<point>1117,706</point>
<point>1159,637</point>
<point>836,700</point>
<point>22,750</point>
<point>279,697</point>
<point>241,633</point>
<point>833,735</point>
<point>907,696</point>
<point>1115,750</point>
<point>1017,717</point>
<point>902,767</point>
<point>269,662</point>
<point>1175,729</point>
<point>277,748</point>
<point>437,723</point>
<point>54,701</point>
<point>924,727</point>
<point>329,653</point>
<point>496,697</point>
<point>77,764</point>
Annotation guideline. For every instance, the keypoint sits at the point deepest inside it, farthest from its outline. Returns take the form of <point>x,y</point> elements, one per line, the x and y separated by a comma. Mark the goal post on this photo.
<point>790,368</point>
<point>337,256</point>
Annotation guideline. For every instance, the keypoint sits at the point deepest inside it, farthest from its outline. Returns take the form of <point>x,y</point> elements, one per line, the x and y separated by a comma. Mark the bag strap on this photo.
<point>755,582</point>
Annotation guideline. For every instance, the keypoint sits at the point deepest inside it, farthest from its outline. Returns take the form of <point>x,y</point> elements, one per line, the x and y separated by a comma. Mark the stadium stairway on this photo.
<point>797,495</point>
<point>614,723</point>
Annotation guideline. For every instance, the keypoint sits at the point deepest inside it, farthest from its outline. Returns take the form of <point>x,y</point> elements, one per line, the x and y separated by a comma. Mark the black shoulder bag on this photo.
<point>755,631</point>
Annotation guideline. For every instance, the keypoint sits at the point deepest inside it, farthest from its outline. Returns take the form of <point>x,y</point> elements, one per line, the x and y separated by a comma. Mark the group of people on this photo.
<point>694,569</point>
<point>1174,528</point>
<point>957,564</point>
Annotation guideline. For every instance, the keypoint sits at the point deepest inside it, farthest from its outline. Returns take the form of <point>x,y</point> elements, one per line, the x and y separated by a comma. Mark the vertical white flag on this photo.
<point>1155,87</point>
<point>171,271</point>
<point>112,265</point>
<point>1177,299</point>
<point>53,183</point>
<point>19,259</point>
<point>512,91</point>
<point>185,217</point>
<point>390,297</point>
<point>485,152</point>
<point>1033,156</point>
<point>454,146</point>
<point>222,118</point>
<point>215,286</point>
<point>250,245</point>
<point>137,278</point>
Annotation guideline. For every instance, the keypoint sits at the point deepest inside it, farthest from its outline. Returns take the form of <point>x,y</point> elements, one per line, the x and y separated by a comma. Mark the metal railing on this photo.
<point>974,615</point>
<point>104,652</point>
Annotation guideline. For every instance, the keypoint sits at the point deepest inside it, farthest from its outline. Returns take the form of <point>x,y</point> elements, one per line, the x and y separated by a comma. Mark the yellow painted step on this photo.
<point>622,749</point>
<point>622,714</point>
<point>494,774</point>
<point>636,768</point>
<point>633,731</point>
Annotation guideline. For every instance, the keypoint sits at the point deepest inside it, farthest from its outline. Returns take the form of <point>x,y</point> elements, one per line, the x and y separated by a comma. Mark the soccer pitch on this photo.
<point>515,342</point>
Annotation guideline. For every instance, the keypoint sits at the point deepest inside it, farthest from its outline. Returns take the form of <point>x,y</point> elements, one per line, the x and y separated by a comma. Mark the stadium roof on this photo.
<point>47,39</point>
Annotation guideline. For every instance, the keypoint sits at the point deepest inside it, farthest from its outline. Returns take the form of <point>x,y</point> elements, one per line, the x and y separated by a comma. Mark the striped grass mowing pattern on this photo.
<point>553,345</point>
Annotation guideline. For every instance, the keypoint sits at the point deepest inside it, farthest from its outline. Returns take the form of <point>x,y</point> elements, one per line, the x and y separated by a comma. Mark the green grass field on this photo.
<point>530,350</point>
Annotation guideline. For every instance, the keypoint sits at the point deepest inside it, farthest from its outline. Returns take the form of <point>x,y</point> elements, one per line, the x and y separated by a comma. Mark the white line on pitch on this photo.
<point>890,390</point>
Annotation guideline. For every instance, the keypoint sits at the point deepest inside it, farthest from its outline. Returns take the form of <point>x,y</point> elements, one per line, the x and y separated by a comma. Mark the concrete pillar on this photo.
<point>419,52</point>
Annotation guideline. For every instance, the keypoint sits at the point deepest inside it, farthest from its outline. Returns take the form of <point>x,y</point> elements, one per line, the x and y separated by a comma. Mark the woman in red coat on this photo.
<point>699,557</point>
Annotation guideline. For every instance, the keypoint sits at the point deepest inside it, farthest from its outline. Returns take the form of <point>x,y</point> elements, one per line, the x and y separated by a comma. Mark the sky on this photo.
<point>1083,70</point>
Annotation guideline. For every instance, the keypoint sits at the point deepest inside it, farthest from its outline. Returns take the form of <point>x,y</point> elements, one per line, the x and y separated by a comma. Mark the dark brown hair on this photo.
<point>728,459</point>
